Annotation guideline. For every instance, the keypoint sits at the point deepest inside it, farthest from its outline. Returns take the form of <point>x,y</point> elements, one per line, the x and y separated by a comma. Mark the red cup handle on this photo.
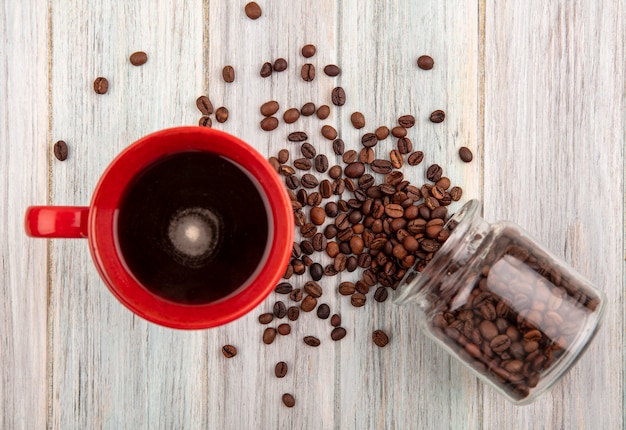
<point>56,221</point>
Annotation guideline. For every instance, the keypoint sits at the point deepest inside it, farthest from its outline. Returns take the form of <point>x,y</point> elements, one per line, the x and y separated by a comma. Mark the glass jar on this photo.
<point>508,309</point>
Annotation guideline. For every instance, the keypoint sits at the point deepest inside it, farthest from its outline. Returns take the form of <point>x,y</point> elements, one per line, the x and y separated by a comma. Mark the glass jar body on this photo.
<point>511,311</point>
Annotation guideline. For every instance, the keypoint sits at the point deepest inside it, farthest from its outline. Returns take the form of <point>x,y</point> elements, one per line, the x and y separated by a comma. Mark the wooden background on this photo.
<point>534,88</point>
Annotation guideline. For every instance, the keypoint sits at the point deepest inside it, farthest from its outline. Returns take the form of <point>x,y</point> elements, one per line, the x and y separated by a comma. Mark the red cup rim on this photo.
<point>105,249</point>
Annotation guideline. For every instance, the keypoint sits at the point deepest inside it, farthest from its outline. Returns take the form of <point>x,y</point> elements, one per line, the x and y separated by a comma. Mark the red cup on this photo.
<point>98,222</point>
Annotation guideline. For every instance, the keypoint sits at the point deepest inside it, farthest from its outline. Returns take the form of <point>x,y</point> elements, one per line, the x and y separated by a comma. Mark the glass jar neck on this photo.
<point>467,231</point>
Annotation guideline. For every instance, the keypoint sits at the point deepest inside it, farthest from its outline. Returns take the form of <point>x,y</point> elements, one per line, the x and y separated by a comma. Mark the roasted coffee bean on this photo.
<point>269,334</point>
<point>270,123</point>
<point>280,65</point>
<point>381,294</point>
<point>229,351</point>
<point>365,261</point>
<point>381,166</point>
<point>284,287</point>
<point>307,150</point>
<point>138,58</point>
<point>266,70</point>
<point>405,145</point>
<point>366,181</point>
<point>289,400</point>
<point>335,320</point>
<point>369,140</point>
<point>415,158</point>
<point>323,311</point>
<point>323,112</point>
<point>283,156</point>
<point>292,182</point>
<point>60,150</point>
<point>380,338</point>
<point>317,215</point>
<point>456,193</point>
<point>204,105</point>
<point>296,295</point>
<point>314,199</point>
<point>340,262</point>
<point>291,115</point>
<point>382,132</point>
<point>302,163</point>
<point>354,169</point>
<point>316,271</point>
<point>308,303</point>
<point>293,313</point>
<point>425,62</point>
<point>398,131</point>
<point>266,318</point>
<point>352,263</point>
<point>313,289</point>
<point>269,108</point>
<point>307,260</point>
<point>311,341</point>
<point>347,288</point>
<point>297,136</point>
<point>280,370</point>
<point>308,230</point>
<point>205,121</point>
<point>465,154</point>
<point>434,172</point>
<point>308,51</point>
<point>101,85</point>
<point>309,181</point>
<point>332,70</point>
<point>329,132</point>
<point>338,333</point>
<point>325,189</point>
<point>228,74</point>
<point>307,72</point>
<point>329,270</point>
<point>437,116</point>
<point>280,310</point>
<point>253,10</point>
<point>331,210</point>
<point>349,156</point>
<point>358,300</point>
<point>406,121</point>
<point>338,96</point>
<point>338,147</point>
<point>358,120</point>
<point>307,109</point>
<point>367,155</point>
<point>221,114</point>
<point>500,343</point>
<point>396,159</point>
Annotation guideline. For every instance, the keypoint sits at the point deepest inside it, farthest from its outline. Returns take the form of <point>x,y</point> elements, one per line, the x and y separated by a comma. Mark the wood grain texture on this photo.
<point>535,90</point>
<point>24,153</point>
<point>554,142</point>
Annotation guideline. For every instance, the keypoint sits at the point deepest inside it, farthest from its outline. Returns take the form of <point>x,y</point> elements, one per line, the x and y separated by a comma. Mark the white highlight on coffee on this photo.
<point>194,233</point>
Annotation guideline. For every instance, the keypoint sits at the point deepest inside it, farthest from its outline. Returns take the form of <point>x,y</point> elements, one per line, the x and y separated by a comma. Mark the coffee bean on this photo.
<point>358,120</point>
<point>358,300</point>
<point>229,351</point>
<point>329,132</point>
<point>308,230</point>
<point>289,400</point>
<point>205,121</point>
<point>308,51</point>
<point>307,109</point>
<point>302,163</point>
<point>309,181</point>
<point>318,216</point>
<point>293,313</point>
<point>284,287</point>
<point>415,158</point>
<point>269,334</point>
<point>280,65</point>
<point>338,96</point>
<point>500,343</point>
<point>396,159</point>
<point>381,166</point>
<point>380,338</point>
<point>292,182</point>
<point>60,150</point>
<point>270,123</point>
<point>228,74</point>
<point>346,288</point>
<point>381,294</point>
<point>406,121</point>
<point>354,169</point>
<point>307,150</point>
<point>221,114</point>
<point>456,193</point>
<point>266,318</point>
<point>308,303</point>
<point>266,70</point>
<point>323,112</point>
<point>321,163</point>
<point>398,131</point>
<point>281,369</point>
<point>269,108</point>
<point>253,10</point>
<point>297,136</point>
<point>101,85</point>
<point>437,116</point>
<point>365,261</point>
<point>323,311</point>
<point>316,271</point>
<point>425,62</point>
<point>332,70</point>
<point>313,289</point>
<point>405,145</point>
<point>311,341</point>
<point>329,270</point>
<point>283,156</point>
<point>465,154</point>
<point>338,333</point>
<point>138,58</point>
<point>338,147</point>
<point>349,156</point>
<point>335,320</point>
<point>307,72</point>
<point>204,105</point>
<point>369,140</point>
<point>291,115</point>
<point>280,310</point>
<point>434,172</point>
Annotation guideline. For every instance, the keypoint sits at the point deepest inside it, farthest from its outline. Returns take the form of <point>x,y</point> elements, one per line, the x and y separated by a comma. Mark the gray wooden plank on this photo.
<point>111,369</point>
<point>554,139</point>
<point>24,156</point>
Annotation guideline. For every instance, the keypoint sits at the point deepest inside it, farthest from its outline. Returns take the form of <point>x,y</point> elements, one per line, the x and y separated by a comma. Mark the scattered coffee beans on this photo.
<point>280,370</point>
<point>289,400</point>
<point>204,105</point>
<point>380,338</point>
<point>228,74</point>
<point>307,72</point>
<point>332,70</point>
<point>437,116</point>
<point>101,85</point>
<point>311,341</point>
<point>308,51</point>
<point>425,62</point>
<point>338,96</point>
<point>60,150</point>
<point>229,351</point>
<point>253,10</point>
<point>338,333</point>
<point>266,70</point>
<point>465,154</point>
<point>280,65</point>
<point>358,120</point>
<point>138,58</point>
